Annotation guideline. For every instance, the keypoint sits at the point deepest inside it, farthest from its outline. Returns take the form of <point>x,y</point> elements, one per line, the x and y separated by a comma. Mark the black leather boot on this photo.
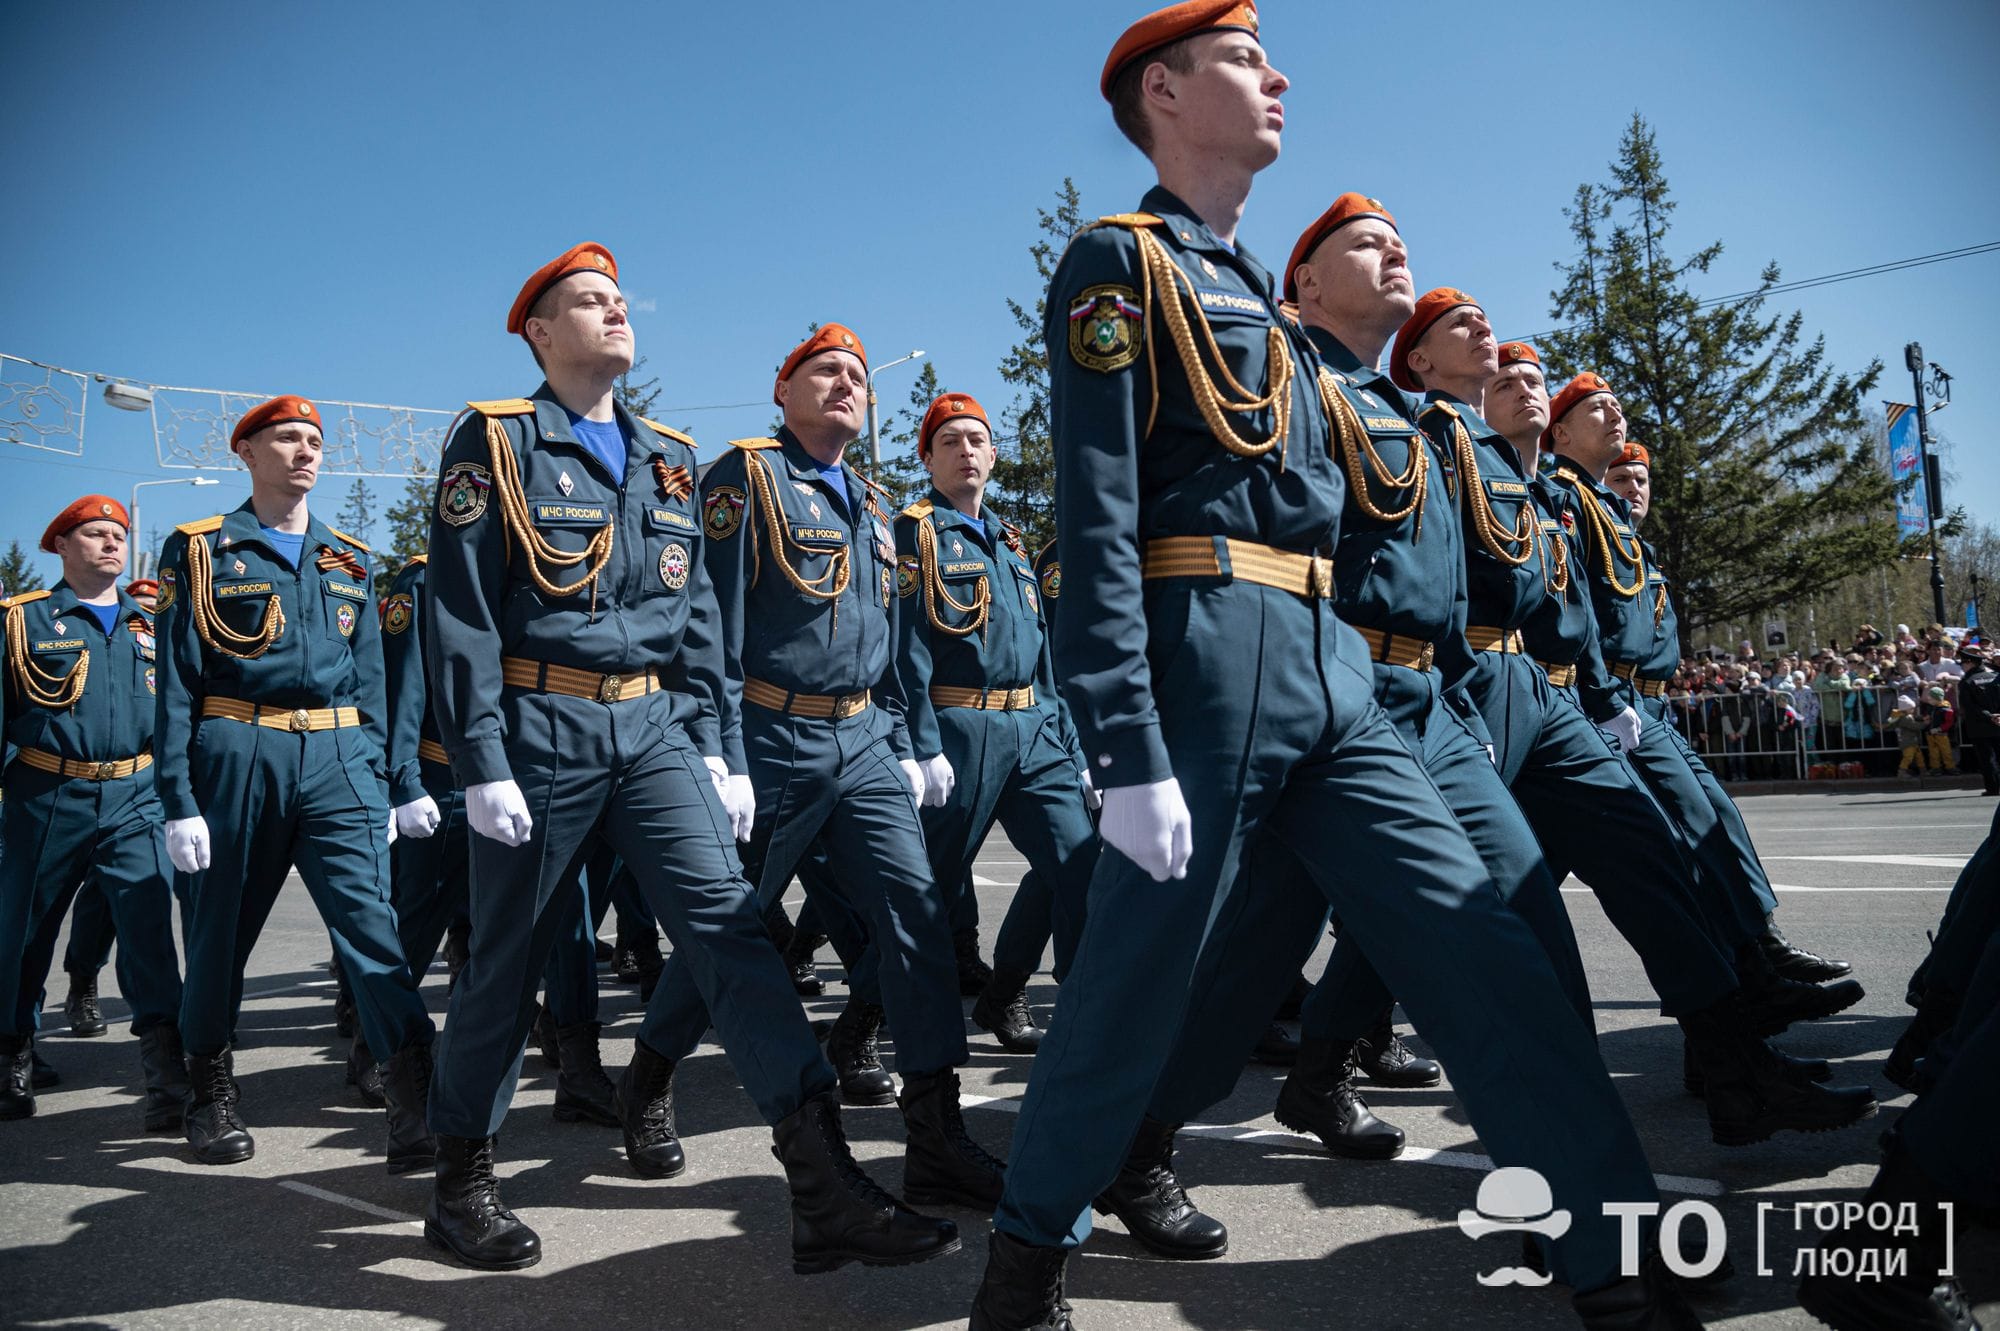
<point>1798,1069</point>
<point>639,961</point>
<point>942,1164</point>
<point>1795,963</point>
<point>1770,1002</point>
<point>363,1075</point>
<point>163,1065</point>
<point>1750,1095</point>
<point>583,1091</point>
<point>1917,1297</point>
<point>1155,1209</point>
<point>973,973</point>
<point>799,962</point>
<point>213,1127</point>
<point>850,1047</point>
<point>406,1087</point>
<point>544,1036</point>
<point>1022,1289</point>
<point>1275,1048</point>
<point>466,1217</point>
<point>1320,1098</point>
<point>1649,1301</point>
<point>86,1018</point>
<point>1936,1014</point>
<point>17,1078</point>
<point>1002,1009</point>
<point>839,1214</point>
<point>1384,1059</point>
<point>644,1101</point>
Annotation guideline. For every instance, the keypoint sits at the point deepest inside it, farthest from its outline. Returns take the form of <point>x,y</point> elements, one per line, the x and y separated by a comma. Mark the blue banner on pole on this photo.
<point>1906,465</point>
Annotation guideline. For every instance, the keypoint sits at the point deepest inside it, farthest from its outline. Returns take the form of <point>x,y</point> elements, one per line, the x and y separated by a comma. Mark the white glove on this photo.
<point>392,827</point>
<point>1492,756</point>
<point>1150,825</point>
<point>497,809</point>
<point>187,843</point>
<point>939,781</point>
<point>915,772</point>
<point>739,798</point>
<point>1623,728</point>
<point>417,819</point>
<point>1092,797</point>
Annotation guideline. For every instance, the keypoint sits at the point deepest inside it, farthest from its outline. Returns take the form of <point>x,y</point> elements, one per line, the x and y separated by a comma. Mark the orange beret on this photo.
<point>589,257</point>
<point>1431,307</point>
<point>1634,453</point>
<point>828,337</point>
<point>1518,353</point>
<point>90,508</point>
<point>275,412</point>
<point>1349,207</point>
<point>1170,25</point>
<point>949,407</point>
<point>1576,390</point>
<point>142,587</point>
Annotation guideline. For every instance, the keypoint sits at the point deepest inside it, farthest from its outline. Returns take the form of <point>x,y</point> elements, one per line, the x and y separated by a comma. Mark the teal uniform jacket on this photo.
<point>1501,593</point>
<point>1562,630</point>
<point>1630,607</point>
<point>113,717</point>
<point>409,698</point>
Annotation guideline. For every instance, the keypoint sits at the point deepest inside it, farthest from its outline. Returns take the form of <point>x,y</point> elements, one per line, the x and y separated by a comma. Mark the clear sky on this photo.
<point>341,200</point>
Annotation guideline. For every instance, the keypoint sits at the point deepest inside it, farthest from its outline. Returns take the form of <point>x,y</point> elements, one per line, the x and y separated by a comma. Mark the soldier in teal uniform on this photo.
<point>577,687</point>
<point>1216,695</point>
<point>77,680</point>
<point>804,568</point>
<point>985,720</point>
<point>270,733</point>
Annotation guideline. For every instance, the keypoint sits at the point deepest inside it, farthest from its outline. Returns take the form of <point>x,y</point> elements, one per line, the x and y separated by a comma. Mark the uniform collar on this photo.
<point>241,527</point>
<point>1194,234</point>
<point>63,600</point>
<point>944,515</point>
<point>1476,424</point>
<point>552,424</point>
<point>805,467</point>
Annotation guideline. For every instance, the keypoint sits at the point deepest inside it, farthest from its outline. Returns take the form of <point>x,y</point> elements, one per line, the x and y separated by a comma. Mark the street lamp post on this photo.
<point>143,556</point>
<point>1913,356</point>
<point>874,421</point>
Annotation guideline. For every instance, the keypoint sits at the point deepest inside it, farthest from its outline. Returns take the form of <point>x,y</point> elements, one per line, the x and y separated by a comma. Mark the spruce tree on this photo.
<point>17,572</point>
<point>1026,473</point>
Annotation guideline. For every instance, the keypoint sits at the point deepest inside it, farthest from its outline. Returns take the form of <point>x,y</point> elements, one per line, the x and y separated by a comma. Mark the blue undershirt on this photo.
<point>289,544</point>
<point>836,477</point>
<point>605,441</point>
<point>105,615</point>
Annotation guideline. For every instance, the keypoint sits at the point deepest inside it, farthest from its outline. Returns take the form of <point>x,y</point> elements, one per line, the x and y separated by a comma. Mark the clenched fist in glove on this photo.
<point>187,843</point>
<point>1150,825</point>
<point>498,810</point>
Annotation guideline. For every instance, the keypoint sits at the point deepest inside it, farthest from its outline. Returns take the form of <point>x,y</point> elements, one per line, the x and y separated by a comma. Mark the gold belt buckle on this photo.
<point>610,689</point>
<point>301,721</point>
<point>104,771</point>
<point>1321,576</point>
<point>1425,656</point>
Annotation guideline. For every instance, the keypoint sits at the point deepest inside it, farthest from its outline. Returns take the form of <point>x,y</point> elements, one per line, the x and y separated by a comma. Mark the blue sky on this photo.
<point>342,200</point>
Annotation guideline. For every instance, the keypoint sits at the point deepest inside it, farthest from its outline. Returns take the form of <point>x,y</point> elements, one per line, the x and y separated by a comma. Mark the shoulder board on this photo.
<point>1444,407</point>
<point>504,406</point>
<point>1130,221</point>
<point>754,443</point>
<point>201,528</point>
<point>668,431</point>
<point>1566,473</point>
<point>350,540</point>
<point>24,598</point>
<point>919,510</point>
<point>416,561</point>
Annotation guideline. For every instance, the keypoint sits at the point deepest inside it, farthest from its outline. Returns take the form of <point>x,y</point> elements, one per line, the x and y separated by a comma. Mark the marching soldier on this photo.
<point>805,577</point>
<point>76,709</point>
<point>985,720</point>
<point>578,693</point>
<point>271,722</point>
<point>1215,692</point>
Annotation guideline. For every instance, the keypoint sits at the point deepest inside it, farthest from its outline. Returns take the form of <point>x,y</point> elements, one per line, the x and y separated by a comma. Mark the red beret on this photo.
<point>1576,390</point>
<point>142,587</point>
<point>828,337</point>
<point>275,412</point>
<point>90,508</point>
<point>589,257</point>
<point>1634,453</point>
<point>1349,207</point>
<point>1518,353</point>
<point>1431,307</point>
<point>1170,25</point>
<point>949,407</point>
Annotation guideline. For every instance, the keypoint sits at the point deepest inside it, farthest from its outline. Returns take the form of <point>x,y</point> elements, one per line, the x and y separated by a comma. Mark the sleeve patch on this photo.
<point>1106,324</point>
<point>722,511</point>
<point>463,493</point>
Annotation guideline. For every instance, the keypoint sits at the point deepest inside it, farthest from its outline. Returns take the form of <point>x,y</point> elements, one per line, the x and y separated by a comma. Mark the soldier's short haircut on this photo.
<point>540,310</point>
<point>1128,98</point>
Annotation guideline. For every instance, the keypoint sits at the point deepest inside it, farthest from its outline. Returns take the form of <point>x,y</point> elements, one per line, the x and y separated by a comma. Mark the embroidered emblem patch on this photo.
<point>908,571</point>
<point>564,483</point>
<point>343,618</point>
<point>463,492</point>
<point>888,585</point>
<point>152,681</point>
<point>1104,328</point>
<point>60,628</point>
<point>1052,580</point>
<point>674,566</point>
<point>1033,605</point>
<point>722,511</point>
<point>397,614</point>
<point>166,596</point>
<point>239,568</point>
<point>812,507</point>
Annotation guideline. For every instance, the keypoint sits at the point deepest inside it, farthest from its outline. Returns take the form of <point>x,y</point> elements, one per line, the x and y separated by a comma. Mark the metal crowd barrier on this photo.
<point>1830,734</point>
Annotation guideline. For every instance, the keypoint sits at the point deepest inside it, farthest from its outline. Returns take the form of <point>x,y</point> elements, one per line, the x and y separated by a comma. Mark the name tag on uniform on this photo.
<point>964,567</point>
<point>343,589</point>
<point>242,588</point>
<point>60,645</point>
<point>1514,488</point>
<point>1391,424</point>
<point>1550,524</point>
<point>819,535</point>
<point>666,517</point>
<point>550,510</point>
<point>1231,304</point>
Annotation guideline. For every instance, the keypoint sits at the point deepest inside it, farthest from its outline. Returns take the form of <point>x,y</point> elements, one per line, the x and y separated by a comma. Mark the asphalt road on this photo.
<point>102,1225</point>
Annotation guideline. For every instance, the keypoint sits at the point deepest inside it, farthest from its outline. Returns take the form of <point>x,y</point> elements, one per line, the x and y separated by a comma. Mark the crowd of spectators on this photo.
<point>1883,704</point>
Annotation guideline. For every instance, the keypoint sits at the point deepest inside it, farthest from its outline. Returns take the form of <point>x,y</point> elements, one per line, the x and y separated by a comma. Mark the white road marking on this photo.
<point>1909,861</point>
<point>1801,887</point>
<point>352,1203</point>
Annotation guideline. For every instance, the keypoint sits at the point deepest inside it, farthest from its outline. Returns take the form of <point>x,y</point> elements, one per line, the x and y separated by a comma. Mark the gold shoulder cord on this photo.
<point>934,588</point>
<point>1510,547</point>
<point>1604,536</point>
<point>1556,579</point>
<point>208,620</point>
<point>1161,271</point>
<point>1356,448</point>
<point>540,554</point>
<point>39,686</point>
<point>840,566</point>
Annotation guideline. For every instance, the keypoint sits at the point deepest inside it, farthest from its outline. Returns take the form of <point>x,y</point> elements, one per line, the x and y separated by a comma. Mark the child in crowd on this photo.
<point>1909,727</point>
<point>1940,722</point>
